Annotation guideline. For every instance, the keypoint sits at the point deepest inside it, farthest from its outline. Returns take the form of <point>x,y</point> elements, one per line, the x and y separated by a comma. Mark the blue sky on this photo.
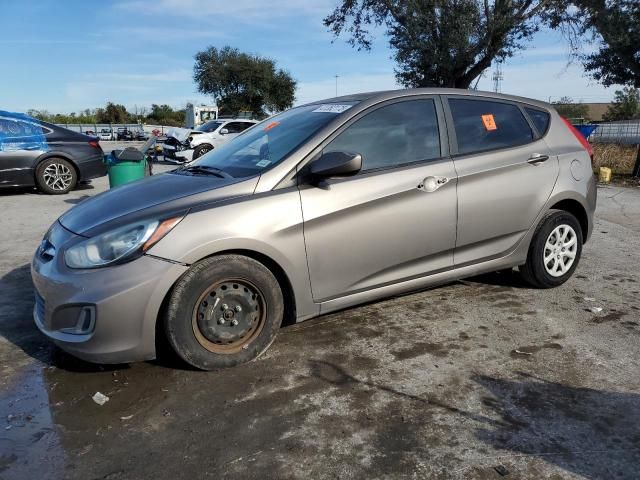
<point>64,56</point>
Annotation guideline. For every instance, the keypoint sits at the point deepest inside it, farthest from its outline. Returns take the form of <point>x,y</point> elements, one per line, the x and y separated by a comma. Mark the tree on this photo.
<point>626,105</point>
<point>443,43</point>
<point>243,82</point>
<point>570,110</point>
<point>165,115</point>
<point>616,27</point>
<point>112,113</point>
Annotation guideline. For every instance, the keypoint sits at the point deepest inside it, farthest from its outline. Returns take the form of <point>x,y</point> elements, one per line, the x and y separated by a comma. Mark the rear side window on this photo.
<point>484,125</point>
<point>392,135</point>
<point>540,119</point>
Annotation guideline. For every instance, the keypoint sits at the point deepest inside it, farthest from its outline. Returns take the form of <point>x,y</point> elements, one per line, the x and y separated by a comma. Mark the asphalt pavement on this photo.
<point>483,378</point>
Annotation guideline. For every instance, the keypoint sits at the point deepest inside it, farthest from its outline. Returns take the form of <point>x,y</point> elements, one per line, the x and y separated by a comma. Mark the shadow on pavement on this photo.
<point>592,433</point>
<point>588,432</point>
<point>504,278</point>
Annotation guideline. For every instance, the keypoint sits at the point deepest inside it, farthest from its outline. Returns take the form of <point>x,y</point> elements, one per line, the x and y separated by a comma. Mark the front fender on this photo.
<point>268,224</point>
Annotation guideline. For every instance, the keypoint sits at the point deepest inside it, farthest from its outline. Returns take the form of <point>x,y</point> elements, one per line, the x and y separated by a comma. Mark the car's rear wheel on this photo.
<point>200,150</point>
<point>554,252</point>
<point>56,176</point>
<point>224,311</point>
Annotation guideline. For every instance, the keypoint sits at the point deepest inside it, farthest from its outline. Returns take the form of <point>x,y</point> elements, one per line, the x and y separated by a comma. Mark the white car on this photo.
<point>106,134</point>
<point>216,132</point>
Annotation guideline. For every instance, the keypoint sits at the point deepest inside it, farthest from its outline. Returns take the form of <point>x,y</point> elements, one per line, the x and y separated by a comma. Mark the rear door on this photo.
<point>506,173</point>
<point>396,219</point>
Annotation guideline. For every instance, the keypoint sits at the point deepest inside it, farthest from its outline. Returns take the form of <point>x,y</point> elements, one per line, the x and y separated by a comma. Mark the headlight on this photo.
<point>118,245</point>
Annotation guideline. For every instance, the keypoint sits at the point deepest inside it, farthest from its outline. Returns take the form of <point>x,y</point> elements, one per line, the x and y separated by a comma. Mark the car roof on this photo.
<point>374,97</point>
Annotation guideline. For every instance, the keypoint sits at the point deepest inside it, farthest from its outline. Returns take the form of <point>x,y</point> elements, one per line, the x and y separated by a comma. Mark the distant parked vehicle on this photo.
<point>141,135</point>
<point>90,132</point>
<point>37,153</point>
<point>123,133</point>
<point>204,138</point>
<point>106,134</point>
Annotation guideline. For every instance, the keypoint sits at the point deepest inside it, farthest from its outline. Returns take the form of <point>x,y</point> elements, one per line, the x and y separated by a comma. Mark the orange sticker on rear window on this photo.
<point>489,122</point>
<point>270,126</point>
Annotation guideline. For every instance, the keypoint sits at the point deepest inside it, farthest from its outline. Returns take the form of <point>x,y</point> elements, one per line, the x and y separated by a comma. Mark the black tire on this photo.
<point>64,183</point>
<point>199,301</point>
<point>200,150</point>
<point>534,272</point>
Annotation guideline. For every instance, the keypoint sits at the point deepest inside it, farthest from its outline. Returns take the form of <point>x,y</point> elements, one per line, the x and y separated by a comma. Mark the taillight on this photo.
<point>583,141</point>
<point>94,143</point>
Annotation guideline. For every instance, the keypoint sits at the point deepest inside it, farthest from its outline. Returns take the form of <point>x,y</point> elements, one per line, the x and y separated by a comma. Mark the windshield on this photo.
<point>209,126</point>
<point>269,142</point>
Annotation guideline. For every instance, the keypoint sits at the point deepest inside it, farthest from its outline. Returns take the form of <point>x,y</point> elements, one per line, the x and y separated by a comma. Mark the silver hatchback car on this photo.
<point>319,208</point>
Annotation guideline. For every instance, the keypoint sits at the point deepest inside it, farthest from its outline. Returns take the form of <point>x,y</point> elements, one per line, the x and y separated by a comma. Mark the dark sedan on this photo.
<point>52,158</point>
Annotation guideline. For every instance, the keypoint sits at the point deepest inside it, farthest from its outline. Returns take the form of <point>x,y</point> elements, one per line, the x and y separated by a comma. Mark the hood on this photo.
<point>158,195</point>
<point>180,134</point>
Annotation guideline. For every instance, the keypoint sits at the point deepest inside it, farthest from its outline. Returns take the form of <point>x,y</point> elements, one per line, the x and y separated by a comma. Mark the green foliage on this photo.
<point>243,82</point>
<point>626,105</point>
<point>615,25</point>
<point>571,110</point>
<point>85,116</point>
<point>113,113</point>
<point>443,43</point>
<point>166,115</point>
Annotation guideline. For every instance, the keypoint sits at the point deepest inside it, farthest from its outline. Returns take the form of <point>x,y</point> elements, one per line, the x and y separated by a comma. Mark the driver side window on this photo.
<point>393,135</point>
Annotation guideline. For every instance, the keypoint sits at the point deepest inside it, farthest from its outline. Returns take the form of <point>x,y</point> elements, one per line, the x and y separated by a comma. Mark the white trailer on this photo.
<point>196,115</point>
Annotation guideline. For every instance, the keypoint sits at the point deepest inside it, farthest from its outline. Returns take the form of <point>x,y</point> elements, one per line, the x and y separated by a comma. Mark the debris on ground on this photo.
<point>100,398</point>
<point>595,309</point>
<point>128,417</point>
<point>520,352</point>
<point>502,470</point>
<point>589,299</point>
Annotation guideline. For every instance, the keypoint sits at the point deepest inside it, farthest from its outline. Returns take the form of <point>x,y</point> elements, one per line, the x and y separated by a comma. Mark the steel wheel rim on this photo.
<point>204,151</point>
<point>219,302</point>
<point>560,250</point>
<point>57,176</point>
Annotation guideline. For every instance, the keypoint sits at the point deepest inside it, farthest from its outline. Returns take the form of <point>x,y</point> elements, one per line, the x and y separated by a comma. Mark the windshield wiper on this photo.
<point>205,169</point>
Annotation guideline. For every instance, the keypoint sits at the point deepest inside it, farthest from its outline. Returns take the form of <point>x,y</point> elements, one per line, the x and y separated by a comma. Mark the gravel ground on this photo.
<point>477,379</point>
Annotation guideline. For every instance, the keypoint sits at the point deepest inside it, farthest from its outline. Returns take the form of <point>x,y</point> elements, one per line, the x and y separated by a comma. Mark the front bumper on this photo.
<point>115,308</point>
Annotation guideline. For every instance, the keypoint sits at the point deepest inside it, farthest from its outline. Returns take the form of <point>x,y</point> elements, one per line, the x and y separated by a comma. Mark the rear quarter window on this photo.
<point>540,119</point>
<point>482,125</point>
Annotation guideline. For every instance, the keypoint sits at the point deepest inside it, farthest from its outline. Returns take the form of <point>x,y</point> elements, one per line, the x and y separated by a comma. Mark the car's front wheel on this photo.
<point>224,311</point>
<point>200,150</point>
<point>56,176</point>
<point>554,252</point>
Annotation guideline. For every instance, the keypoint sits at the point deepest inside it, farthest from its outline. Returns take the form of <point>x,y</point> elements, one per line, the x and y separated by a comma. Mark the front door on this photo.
<point>396,219</point>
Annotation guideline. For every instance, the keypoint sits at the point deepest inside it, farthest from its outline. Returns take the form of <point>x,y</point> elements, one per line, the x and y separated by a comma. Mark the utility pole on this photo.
<point>497,77</point>
<point>336,84</point>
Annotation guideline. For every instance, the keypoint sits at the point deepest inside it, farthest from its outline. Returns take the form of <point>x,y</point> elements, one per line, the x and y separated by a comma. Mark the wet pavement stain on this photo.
<point>609,317</point>
<point>421,348</point>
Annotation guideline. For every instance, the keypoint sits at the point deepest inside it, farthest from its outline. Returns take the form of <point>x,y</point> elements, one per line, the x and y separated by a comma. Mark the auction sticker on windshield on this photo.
<point>332,108</point>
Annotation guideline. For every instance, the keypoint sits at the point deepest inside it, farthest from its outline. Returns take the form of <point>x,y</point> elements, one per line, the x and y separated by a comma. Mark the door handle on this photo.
<point>536,158</point>
<point>431,184</point>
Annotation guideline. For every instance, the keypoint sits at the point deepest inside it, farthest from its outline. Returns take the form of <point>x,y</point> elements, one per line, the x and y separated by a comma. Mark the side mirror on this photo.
<point>224,131</point>
<point>336,164</point>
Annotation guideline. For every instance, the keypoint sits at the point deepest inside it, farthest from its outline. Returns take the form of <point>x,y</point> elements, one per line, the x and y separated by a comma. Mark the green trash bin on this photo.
<point>125,166</point>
